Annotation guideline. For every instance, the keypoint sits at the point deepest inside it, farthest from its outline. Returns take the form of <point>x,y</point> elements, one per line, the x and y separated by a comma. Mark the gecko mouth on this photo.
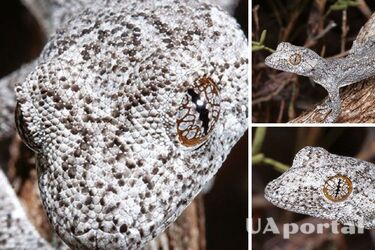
<point>291,207</point>
<point>268,61</point>
<point>288,205</point>
<point>285,201</point>
<point>274,63</point>
<point>271,194</point>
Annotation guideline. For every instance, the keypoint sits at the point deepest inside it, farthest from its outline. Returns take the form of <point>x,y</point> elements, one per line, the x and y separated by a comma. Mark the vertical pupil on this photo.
<point>338,188</point>
<point>201,109</point>
<point>295,59</point>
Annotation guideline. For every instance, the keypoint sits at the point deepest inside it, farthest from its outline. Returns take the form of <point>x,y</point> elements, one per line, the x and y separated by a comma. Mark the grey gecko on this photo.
<point>331,74</point>
<point>131,109</point>
<point>16,231</point>
<point>327,186</point>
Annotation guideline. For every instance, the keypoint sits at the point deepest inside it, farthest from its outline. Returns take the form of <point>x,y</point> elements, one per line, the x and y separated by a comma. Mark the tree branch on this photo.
<point>358,102</point>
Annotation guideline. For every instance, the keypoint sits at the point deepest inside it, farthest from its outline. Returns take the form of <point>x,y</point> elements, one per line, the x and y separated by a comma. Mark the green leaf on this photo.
<point>343,4</point>
<point>263,37</point>
<point>260,133</point>
<point>256,46</point>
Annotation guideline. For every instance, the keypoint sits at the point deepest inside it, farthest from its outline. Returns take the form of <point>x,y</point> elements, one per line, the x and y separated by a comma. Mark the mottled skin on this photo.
<point>300,189</point>
<point>51,15</point>
<point>100,112</point>
<point>331,74</point>
<point>8,99</point>
<point>14,224</point>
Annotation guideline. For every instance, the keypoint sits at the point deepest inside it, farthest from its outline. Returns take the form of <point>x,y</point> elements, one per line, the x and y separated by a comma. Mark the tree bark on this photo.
<point>358,105</point>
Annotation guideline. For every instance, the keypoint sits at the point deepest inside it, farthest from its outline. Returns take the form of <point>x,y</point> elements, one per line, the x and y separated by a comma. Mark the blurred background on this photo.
<point>273,153</point>
<point>326,26</point>
<point>225,206</point>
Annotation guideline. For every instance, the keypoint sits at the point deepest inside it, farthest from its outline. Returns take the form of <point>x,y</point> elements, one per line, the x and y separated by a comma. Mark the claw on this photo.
<point>331,118</point>
<point>333,114</point>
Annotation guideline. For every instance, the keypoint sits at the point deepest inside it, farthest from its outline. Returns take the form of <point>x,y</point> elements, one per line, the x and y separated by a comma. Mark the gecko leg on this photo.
<point>334,104</point>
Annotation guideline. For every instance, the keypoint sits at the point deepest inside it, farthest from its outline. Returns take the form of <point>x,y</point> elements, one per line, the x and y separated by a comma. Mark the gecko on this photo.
<point>330,73</point>
<point>131,109</point>
<point>327,186</point>
<point>16,231</point>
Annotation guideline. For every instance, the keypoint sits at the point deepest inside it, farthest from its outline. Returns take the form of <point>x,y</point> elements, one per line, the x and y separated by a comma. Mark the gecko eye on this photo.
<point>198,113</point>
<point>337,188</point>
<point>295,59</point>
<point>22,129</point>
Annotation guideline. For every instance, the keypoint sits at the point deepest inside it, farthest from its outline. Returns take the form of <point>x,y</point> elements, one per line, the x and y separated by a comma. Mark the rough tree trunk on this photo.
<point>358,105</point>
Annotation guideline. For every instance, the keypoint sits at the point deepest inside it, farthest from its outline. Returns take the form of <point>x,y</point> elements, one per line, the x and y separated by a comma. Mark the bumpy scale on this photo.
<point>102,110</point>
<point>16,231</point>
<point>327,186</point>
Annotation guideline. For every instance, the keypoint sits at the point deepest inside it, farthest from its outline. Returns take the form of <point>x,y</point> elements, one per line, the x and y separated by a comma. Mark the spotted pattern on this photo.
<point>16,231</point>
<point>100,111</point>
<point>327,186</point>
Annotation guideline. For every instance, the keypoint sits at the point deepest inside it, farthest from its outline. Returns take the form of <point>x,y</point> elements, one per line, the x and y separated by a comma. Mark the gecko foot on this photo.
<point>332,108</point>
<point>333,115</point>
<point>331,118</point>
<point>322,107</point>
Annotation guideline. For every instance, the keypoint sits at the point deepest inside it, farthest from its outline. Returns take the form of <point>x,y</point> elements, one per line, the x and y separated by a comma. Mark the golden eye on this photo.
<point>295,59</point>
<point>337,188</point>
<point>23,130</point>
<point>198,113</point>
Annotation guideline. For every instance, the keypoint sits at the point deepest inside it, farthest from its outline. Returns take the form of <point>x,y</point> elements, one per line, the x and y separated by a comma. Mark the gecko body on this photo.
<point>131,109</point>
<point>16,231</point>
<point>331,74</point>
<point>327,186</point>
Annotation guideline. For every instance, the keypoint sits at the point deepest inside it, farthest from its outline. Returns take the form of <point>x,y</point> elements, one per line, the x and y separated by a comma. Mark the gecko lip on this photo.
<point>270,194</point>
<point>268,61</point>
<point>283,201</point>
<point>271,62</point>
<point>278,200</point>
<point>273,195</point>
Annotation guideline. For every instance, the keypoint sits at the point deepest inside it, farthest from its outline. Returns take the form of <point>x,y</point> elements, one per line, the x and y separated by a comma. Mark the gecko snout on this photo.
<point>271,192</point>
<point>269,61</point>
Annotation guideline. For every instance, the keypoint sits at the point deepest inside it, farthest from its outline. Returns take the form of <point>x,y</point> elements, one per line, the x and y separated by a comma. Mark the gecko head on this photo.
<point>130,117</point>
<point>296,188</point>
<point>321,184</point>
<point>294,59</point>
